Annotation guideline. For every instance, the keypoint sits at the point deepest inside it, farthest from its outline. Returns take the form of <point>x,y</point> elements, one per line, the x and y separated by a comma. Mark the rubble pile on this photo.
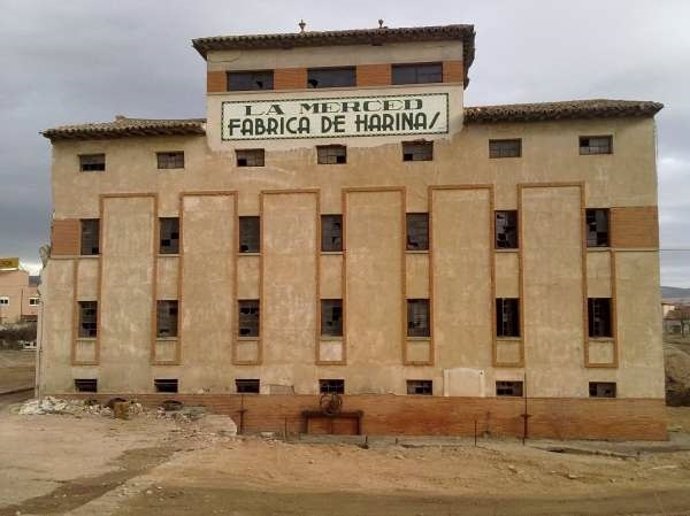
<point>50,405</point>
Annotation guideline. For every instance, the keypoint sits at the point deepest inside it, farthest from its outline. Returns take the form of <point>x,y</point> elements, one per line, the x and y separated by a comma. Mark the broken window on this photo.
<point>250,235</point>
<point>417,232</point>
<point>418,318</point>
<point>88,320</point>
<point>596,144</point>
<point>166,320</point>
<point>602,389</point>
<point>170,159</point>
<point>165,384</point>
<point>332,386</point>
<point>597,227</point>
<point>505,148</point>
<point>420,73</point>
<point>509,388</point>
<point>90,236</point>
<point>506,229</point>
<point>92,162</point>
<point>331,233</point>
<point>251,80</point>
<point>507,317</point>
<point>418,151</point>
<point>599,317</point>
<point>169,235</point>
<point>331,154</point>
<point>420,387</point>
<point>248,318</point>
<point>4,301</point>
<point>250,157</point>
<point>331,77</point>
<point>34,301</point>
<point>247,386</point>
<point>332,317</point>
<point>86,385</point>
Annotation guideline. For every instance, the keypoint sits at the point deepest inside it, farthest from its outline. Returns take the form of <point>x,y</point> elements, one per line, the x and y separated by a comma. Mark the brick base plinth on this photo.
<point>559,418</point>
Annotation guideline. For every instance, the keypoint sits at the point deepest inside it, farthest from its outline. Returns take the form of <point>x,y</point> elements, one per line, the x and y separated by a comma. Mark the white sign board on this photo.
<point>338,117</point>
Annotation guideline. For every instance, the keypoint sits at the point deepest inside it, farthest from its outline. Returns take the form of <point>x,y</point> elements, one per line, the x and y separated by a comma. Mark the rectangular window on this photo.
<point>166,320</point>
<point>331,154</point>
<point>34,301</point>
<point>597,227</point>
<point>247,386</point>
<point>165,384</point>
<point>505,148</point>
<point>92,162</point>
<point>250,80</point>
<point>418,151</point>
<point>90,236</point>
<point>88,320</point>
<point>4,301</point>
<point>596,144</point>
<point>418,318</point>
<point>170,159</point>
<point>511,388</point>
<point>599,317</point>
<point>250,157</point>
<point>248,318</point>
<point>602,389</point>
<point>331,77</point>
<point>86,385</point>
<point>331,233</point>
<point>250,234</point>
<point>507,317</point>
<point>169,235</point>
<point>506,229</point>
<point>331,317</point>
<point>420,387</point>
<point>417,232</point>
<point>327,386</point>
<point>420,73</point>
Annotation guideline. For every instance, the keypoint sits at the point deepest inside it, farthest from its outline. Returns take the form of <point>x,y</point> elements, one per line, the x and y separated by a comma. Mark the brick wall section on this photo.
<point>216,82</point>
<point>289,78</point>
<point>635,227</point>
<point>374,75</point>
<point>65,239</point>
<point>557,418</point>
<point>452,71</point>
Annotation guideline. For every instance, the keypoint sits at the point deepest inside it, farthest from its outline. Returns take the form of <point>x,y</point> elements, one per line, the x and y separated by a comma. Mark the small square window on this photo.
<point>420,73</point>
<point>599,317</point>
<point>250,80</point>
<point>169,235</point>
<point>250,234</point>
<point>328,386</point>
<point>88,320</point>
<point>507,317</point>
<point>4,301</point>
<point>505,148</point>
<point>250,157</point>
<point>92,162</point>
<point>34,301</point>
<point>417,232</point>
<point>90,237</point>
<point>506,229</point>
<point>418,318</point>
<point>596,144</point>
<point>331,77</point>
<point>597,227</point>
<point>166,321</point>
<point>331,154</point>
<point>602,389</point>
<point>418,151</point>
<point>509,388</point>
<point>331,317</point>
<point>86,385</point>
<point>165,384</point>
<point>170,159</point>
<point>331,233</point>
<point>247,386</point>
<point>249,318</point>
<point>420,387</point>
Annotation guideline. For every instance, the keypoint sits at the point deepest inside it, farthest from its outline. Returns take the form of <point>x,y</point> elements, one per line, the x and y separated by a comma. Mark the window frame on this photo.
<point>246,385</point>
<point>421,328</point>
<point>508,388</point>
<point>331,386</point>
<point>173,247</point>
<point>250,158</point>
<point>594,150</point>
<point>167,309</point>
<point>84,318</point>
<point>89,232</point>
<point>418,150</point>
<point>89,163</point>
<point>166,385</point>
<point>594,328</point>
<point>252,76</point>
<point>4,300</point>
<point>323,156</point>
<point>425,386</point>
<point>511,228</point>
<point>336,247</point>
<point>599,390</point>
<point>83,384</point>
<point>593,233</point>
<point>496,151</point>
<point>247,320</point>
<point>332,305</point>
<point>313,82</point>
<point>36,301</point>
<point>417,231</point>
<point>508,329</point>
<point>249,234</point>
<point>168,160</point>
<point>397,68</point>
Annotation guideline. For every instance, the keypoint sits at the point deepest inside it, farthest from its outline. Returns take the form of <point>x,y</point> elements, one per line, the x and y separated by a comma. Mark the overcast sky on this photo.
<point>75,61</point>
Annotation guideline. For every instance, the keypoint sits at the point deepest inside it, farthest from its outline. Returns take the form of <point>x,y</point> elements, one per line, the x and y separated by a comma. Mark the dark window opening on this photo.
<point>250,235</point>
<point>166,319</point>
<point>86,385</point>
<point>602,389</point>
<point>88,319</point>
<point>170,159</point>
<point>92,162</point>
<point>331,233</point>
<point>420,73</point>
<point>418,151</point>
<point>332,317</point>
<point>90,236</point>
<point>332,386</point>
<point>331,154</point>
<point>507,317</point>
<point>252,80</point>
<point>418,318</point>
<point>247,386</point>
<point>417,232</point>
<point>250,157</point>
<point>597,227</point>
<point>420,387</point>
<point>505,148</point>
<point>331,77</point>
<point>169,235</point>
<point>599,317</point>
<point>165,384</point>
<point>507,229</point>
<point>509,388</point>
<point>248,318</point>
<point>596,145</point>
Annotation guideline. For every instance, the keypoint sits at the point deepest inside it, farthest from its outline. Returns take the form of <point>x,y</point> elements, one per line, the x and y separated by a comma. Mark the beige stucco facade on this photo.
<point>19,299</point>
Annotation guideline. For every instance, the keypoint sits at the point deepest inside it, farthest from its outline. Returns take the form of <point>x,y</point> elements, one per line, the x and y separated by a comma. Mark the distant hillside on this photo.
<point>675,293</point>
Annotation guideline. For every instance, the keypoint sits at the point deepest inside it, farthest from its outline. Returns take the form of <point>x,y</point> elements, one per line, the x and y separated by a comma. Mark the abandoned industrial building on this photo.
<point>341,223</point>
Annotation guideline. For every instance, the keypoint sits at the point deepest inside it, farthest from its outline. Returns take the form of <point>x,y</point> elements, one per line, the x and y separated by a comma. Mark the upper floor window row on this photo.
<point>512,147</point>
<point>164,160</point>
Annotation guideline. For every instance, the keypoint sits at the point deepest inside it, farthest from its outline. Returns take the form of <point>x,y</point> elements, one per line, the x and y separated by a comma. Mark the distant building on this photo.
<point>667,307</point>
<point>19,299</point>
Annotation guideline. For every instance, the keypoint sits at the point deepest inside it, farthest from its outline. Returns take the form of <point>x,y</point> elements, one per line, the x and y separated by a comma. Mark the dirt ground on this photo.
<point>96,465</point>
<point>16,369</point>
